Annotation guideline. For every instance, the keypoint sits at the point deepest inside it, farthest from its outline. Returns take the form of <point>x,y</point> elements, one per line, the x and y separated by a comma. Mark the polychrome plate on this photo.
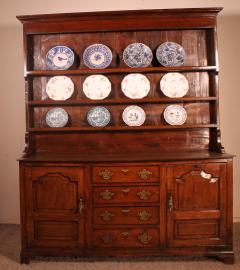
<point>135,86</point>
<point>137,55</point>
<point>98,116</point>
<point>57,117</point>
<point>175,115</point>
<point>97,56</point>
<point>96,87</point>
<point>60,88</point>
<point>170,54</point>
<point>133,116</point>
<point>174,85</point>
<point>59,57</point>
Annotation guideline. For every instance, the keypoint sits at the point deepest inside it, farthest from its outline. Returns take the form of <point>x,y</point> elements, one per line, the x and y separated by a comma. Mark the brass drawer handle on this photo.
<point>144,194</point>
<point>125,211</point>
<point>144,215</point>
<point>108,238</point>
<point>106,174</point>
<point>125,171</point>
<point>107,216</point>
<point>144,238</point>
<point>107,194</point>
<point>144,174</point>
<point>126,190</point>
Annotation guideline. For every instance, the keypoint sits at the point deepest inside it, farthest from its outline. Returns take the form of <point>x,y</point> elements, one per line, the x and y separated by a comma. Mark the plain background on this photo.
<point>12,118</point>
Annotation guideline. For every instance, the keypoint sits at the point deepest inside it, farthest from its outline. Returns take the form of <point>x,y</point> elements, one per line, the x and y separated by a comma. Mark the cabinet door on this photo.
<point>54,201</point>
<point>196,204</point>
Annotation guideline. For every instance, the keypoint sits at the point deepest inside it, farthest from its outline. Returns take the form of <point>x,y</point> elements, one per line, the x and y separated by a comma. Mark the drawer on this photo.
<point>128,194</point>
<point>134,237</point>
<point>126,215</point>
<point>125,174</point>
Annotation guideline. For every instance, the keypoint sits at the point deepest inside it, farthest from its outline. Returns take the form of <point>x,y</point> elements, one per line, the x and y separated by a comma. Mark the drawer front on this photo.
<point>126,215</point>
<point>125,174</point>
<point>126,237</point>
<point>143,194</point>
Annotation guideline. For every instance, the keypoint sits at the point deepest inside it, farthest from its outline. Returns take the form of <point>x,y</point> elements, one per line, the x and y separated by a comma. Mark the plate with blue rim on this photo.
<point>98,116</point>
<point>97,56</point>
<point>57,117</point>
<point>60,58</point>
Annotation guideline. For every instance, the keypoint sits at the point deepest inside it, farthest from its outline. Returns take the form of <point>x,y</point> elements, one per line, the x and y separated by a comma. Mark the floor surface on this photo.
<point>10,248</point>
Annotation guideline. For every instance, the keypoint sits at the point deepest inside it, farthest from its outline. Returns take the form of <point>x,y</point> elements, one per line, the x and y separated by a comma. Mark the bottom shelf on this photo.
<point>119,128</point>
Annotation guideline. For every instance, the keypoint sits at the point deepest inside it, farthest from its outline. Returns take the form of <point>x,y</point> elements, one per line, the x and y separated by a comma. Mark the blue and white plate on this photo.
<point>56,118</point>
<point>59,57</point>
<point>98,116</point>
<point>170,54</point>
<point>137,55</point>
<point>97,56</point>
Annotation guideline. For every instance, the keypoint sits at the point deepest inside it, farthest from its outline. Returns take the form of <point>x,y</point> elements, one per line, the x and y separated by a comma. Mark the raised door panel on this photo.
<point>196,204</point>
<point>55,199</point>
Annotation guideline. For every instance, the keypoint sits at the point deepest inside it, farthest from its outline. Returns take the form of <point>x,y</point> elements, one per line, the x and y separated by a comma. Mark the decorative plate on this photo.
<point>137,55</point>
<point>175,115</point>
<point>135,86</point>
<point>60,88</point>
<point>59,57</point>
<point>97,56</point>
<point>98,117</point>
<point>174,85</point>
<point>133,116</point>
<point>170,54</point>
<point>57,117</point>
<point>96,87</point>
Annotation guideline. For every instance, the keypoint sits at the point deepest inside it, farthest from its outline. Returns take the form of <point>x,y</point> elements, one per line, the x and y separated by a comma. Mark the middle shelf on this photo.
<point>48,103</point>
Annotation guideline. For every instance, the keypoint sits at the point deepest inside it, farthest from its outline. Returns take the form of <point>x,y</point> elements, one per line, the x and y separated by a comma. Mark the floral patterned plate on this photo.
<point>137,55</point>
<point>170,54</point>
<point>96,87</point>
<point>97,56</point>
<point>60,88</point>
<point>135,86</point>
<point>174,85</point>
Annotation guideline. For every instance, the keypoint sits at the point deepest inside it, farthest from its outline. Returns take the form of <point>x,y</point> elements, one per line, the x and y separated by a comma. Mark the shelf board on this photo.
<point>119,128</point>
<point>48,103</point>
<point>120,70</point>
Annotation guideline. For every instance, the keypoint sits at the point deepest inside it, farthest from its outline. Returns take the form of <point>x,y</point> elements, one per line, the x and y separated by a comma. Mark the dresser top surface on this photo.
<point>138,157</point>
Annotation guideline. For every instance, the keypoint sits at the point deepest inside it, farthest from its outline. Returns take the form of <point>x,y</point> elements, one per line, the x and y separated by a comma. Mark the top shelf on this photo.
<point>121,70</point>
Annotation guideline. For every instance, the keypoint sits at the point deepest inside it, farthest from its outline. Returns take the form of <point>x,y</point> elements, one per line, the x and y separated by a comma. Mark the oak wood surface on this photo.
<point>125,191</point>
